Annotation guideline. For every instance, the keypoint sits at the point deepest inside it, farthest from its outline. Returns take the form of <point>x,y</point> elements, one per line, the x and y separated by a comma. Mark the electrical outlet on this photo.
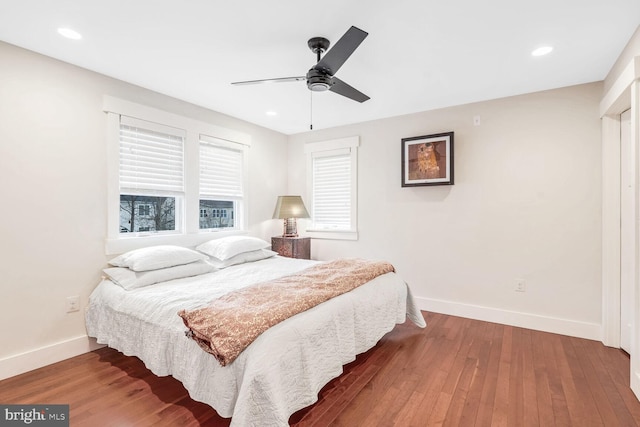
<point>520,285</point>
<point>73,304</point>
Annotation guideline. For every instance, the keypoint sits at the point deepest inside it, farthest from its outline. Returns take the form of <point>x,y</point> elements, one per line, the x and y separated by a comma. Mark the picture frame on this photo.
<point>427,160</point>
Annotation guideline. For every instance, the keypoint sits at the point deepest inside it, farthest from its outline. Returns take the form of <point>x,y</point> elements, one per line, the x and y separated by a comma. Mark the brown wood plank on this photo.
<point>603,373</point>
<point>575,407</point>
<point>474,396</point>
<point>487,396</point>
<point>501,400</point>
<point>606,412</point>
<point>620,374</point>
<point>456,372</point>
<point>517,403</point>
<point>585,397</point>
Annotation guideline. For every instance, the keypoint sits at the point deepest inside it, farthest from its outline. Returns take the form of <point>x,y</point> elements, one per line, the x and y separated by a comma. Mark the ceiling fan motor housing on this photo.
<point>317,81</point>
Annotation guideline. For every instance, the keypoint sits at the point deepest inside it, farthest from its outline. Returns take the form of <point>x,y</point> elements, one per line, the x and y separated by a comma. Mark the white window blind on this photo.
<point>332,190</point>
<point>221,169</point>
<point>151,157</point>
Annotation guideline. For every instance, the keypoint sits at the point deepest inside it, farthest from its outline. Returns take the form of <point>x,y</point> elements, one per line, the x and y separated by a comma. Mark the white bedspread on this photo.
<point>282,371</point>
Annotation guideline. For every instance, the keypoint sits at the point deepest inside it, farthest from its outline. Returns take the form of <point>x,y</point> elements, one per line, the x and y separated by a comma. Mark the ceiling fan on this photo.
<point>321,76</point>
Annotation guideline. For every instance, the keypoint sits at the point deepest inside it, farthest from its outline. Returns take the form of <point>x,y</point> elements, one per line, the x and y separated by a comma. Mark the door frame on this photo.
<point>629,255</point>
<point>623,95</point>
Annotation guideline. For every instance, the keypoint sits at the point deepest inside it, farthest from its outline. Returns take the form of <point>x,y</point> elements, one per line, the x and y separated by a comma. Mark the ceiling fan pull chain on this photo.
<point>311,112</point>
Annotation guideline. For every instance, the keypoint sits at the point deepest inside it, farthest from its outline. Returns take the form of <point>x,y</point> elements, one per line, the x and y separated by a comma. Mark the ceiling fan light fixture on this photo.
<point>319,87</point>
<point>317,81</point>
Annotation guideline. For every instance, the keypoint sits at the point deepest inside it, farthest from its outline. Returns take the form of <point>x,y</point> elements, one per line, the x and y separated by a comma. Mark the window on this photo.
<point>142,209</point>
<point>216,213</point>
<point>221,182</point>
<point>151,176</point>
<point>332,184</point>
<point>154,188</point>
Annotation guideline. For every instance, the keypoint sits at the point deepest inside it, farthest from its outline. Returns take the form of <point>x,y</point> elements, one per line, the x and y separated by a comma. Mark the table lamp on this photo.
<point>290,208</point>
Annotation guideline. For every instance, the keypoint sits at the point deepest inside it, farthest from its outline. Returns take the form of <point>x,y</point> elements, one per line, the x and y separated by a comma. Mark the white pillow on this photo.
<point>228,247</point>
<point>130,279</point>
<point>155,257</point>
<point>242,258</point>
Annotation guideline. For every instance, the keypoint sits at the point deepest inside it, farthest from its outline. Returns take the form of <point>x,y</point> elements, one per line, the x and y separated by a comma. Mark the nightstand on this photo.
<point>292,247</point>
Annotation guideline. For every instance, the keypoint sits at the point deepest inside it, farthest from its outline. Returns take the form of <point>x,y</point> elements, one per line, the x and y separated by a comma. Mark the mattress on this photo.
<point>282,371</point>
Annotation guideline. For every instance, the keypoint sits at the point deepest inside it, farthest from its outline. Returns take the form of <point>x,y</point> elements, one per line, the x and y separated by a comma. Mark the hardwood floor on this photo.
<point>456,372</point>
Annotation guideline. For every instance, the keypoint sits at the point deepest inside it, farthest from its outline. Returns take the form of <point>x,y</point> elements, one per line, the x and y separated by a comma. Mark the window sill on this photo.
<point>332,235</point>
<point>124,244</point>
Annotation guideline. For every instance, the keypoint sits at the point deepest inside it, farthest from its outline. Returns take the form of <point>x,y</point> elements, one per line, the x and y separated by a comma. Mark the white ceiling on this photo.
<point>419,55</point>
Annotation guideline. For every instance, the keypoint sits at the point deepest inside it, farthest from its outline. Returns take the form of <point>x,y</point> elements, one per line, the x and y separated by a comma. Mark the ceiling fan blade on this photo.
<point>344,89</point>
<point>341,51</point>
<point>278,80</point>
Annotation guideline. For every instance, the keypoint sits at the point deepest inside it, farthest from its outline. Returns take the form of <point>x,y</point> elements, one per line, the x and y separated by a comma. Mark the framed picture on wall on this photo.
<point>427,160</point>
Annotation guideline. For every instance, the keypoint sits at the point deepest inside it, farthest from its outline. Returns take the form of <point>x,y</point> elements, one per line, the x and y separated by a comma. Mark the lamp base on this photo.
<point>290,228</point>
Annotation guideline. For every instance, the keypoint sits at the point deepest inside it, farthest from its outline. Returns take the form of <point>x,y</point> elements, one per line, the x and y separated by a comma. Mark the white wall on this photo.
<point>53,219</point>
<point>526,204</point>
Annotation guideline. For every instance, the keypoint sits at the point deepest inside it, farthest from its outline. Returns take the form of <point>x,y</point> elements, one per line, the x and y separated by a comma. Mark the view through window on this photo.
<point>147,213</point>
<point>217,214</point>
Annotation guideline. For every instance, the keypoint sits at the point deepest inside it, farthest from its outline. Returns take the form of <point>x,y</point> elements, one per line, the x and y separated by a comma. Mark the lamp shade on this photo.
<point>290,207</point>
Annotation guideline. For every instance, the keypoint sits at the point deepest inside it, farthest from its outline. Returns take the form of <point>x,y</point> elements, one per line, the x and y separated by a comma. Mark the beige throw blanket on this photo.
<point>230,323</point>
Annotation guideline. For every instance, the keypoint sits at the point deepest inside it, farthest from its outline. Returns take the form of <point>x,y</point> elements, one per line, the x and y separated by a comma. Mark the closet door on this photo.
<point>628,229</point>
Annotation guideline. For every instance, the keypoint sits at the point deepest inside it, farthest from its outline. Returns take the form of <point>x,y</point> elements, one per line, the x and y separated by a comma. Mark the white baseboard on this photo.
<point>635,384</point>
<point>43,356</point>
<point>592,331</point>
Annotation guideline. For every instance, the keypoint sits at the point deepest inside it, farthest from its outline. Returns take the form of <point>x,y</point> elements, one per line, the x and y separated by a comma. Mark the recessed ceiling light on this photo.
<point>543,50</point>
<point>271,113</point>
<point>69,33</point>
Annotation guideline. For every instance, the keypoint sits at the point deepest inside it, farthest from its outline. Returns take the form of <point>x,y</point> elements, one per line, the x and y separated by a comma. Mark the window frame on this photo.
<point>239,201</point>
<point>190,234</point>
<point>172,186</point>
<point>328,148</point>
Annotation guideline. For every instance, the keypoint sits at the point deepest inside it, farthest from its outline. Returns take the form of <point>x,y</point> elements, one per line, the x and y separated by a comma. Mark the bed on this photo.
<point>282,371</point>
